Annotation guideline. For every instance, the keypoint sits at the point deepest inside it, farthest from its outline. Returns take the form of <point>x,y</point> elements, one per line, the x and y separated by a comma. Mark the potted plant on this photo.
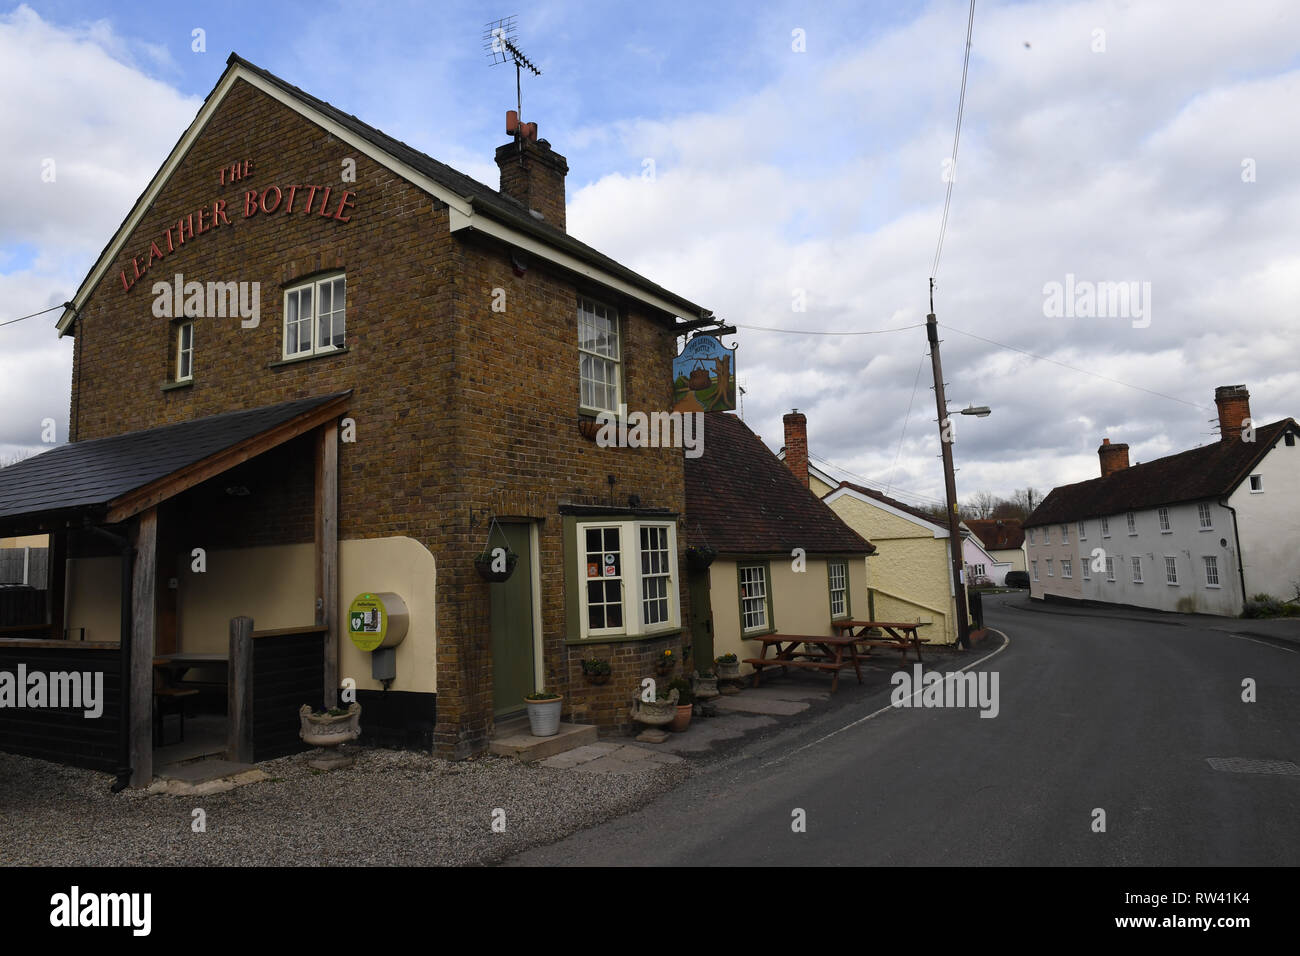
<point>699,557</point>
<point>544,712</point>
<point>664,662</point>
<point>705,686</point>
<point>496,565</point>
<point>659,712</point>
<point>728,667</point>
<point>328,728</point>
<point>597,671</point>
<point>685,704</point>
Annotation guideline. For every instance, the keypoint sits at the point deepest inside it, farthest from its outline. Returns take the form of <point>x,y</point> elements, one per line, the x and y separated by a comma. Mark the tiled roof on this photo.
<point>998,534</point>
<point>1211,471</point>
<point>741,499</point>
<point>895,503</point>
<point>86,474</point>
<point>494,203</point>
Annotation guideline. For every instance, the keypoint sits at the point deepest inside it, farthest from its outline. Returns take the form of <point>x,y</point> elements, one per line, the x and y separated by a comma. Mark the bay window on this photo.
<point>628,578</point>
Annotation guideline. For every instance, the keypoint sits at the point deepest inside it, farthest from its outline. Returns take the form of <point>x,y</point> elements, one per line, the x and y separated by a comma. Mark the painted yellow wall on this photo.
<point>909,573</point>
<point>276,587</point>
<point>819,487</point>
<point>1015,555</point>
<point>26,541</point>
<point>801,602</point>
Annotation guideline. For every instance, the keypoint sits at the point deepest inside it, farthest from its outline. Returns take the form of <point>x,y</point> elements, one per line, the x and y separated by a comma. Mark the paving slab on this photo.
<point>753,703</point>
<point>205,777</point>
<point>703,734</point>
<point>785,692</point>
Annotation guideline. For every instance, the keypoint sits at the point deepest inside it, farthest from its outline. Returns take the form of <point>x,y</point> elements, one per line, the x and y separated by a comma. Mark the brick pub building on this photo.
<point>380,357</point>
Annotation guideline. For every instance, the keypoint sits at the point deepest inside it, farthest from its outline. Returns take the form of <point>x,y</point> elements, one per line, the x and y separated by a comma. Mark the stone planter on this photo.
<point>658,713</point>
<point>728,671</point>
<point>544,716</point>
<point>705,688</point>
<point>329,734</point>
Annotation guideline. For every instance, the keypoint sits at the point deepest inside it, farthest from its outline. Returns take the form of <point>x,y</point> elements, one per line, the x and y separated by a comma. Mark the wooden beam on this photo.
<point>327,552</point>
<point>239,691</point>
<point>156,492</point>
<point>56,582</point>
<point>144,586</point>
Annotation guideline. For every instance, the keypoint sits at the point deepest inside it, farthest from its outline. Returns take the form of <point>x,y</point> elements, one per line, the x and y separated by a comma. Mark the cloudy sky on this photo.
<point>799,159</point>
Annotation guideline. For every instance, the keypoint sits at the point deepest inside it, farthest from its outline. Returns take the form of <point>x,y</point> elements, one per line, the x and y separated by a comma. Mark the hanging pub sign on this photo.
<point>704,377</point>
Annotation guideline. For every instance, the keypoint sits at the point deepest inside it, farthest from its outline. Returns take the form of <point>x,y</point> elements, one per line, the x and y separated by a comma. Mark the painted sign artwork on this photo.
<point>704,377</point>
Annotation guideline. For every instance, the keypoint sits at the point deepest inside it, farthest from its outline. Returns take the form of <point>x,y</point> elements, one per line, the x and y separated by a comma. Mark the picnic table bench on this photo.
<point>822,652</point>
<point>900,634</point>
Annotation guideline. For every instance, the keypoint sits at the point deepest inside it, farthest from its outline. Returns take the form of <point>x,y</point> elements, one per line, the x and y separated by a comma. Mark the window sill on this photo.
<point>173,386</point>
<point>1213,587</point>
<point>756,633</point>
<point>1168,531</point>
<point>1205,529</point>
<point>307,358</point>
<point>624,638</point>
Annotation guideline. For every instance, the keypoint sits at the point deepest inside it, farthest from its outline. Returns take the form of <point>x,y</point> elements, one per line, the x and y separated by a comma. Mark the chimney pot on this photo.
<point>1234,408</point>
<point>796,445</point>
<point>1113,457</point>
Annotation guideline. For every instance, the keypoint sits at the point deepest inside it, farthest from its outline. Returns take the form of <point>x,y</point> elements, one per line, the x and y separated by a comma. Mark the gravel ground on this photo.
<point>391,808</point>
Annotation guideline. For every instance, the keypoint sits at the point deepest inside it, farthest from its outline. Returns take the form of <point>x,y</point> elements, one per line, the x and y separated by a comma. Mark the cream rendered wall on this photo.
<point>276,587</point>
<point>26,541</point>
<point>801,602</point>
<point>1268,523</point>
<point>1015,556</point>
<point>818,487</point>
<point>1048,544</point>
<point>909,574</point>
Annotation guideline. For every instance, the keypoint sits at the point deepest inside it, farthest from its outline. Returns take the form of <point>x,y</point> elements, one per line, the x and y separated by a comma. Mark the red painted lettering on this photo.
<point>169,239</point>
<point>250,204</point>
<point>289,205</point>
<point>126,286</point>
<point>324,202</point>
<point>273,206</point>
<point>154,253</point>
<point>311,197</point>
<point>345,203</point>
<point>203,225</point>
<point>219,213</point>
<point>135,261</point>
<point>182,227</point>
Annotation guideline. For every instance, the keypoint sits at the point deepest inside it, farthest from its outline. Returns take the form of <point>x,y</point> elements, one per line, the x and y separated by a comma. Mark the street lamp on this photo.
<point>981,411</point>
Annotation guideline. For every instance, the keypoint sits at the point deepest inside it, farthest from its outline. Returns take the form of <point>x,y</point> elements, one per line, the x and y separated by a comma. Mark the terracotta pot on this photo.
<point>683,718</point>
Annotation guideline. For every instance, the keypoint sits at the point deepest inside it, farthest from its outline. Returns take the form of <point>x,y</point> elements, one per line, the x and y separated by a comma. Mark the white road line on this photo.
<point>1006,641</point>
<point>1243,637</point>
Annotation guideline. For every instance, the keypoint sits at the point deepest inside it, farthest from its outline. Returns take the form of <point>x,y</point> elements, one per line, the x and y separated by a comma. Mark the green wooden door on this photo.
<point>697,586</point>
<point>512,627</point>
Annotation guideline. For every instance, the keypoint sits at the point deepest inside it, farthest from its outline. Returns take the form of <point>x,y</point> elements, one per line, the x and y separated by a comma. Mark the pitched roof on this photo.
<point>998,534</point>
<point>90,474</point>
<point>479,197</point>
<point>1211,471</point>
<point>743,500</point>
<point>895,503</point>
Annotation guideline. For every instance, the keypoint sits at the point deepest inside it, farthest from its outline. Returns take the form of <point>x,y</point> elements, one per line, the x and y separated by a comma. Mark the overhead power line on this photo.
<point>763,328</point>
<point>956,140</point>
<point>53,308</point>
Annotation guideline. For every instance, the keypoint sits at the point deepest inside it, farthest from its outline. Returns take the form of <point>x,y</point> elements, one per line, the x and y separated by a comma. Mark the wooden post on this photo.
<point>143,600</point>
<point>327,552</point>
<point>56,583</point>
<point>239,690</point>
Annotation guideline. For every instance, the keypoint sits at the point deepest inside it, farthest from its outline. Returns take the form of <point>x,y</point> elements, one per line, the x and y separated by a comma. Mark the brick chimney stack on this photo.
<point>535,177</point>
<point>1113,457</point>
<point>796,444</point>
<point>1234,408</point>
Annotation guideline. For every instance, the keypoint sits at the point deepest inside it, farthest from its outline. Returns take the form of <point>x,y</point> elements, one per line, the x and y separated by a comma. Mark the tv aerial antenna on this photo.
<point>500,42</point>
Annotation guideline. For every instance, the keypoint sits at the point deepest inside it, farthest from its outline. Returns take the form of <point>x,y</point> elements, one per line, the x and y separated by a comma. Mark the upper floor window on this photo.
<point>1137,569</point>
<point>1033,535</point>
<point>1171,570</point>
<point>599,356</point>
<point>1204,515</point>
<point>1110,569</point>
<point>314,316</point>
<point>1065,534</point>
<point>1086,568</point>
<point>185,352</point>
<point>1049,567</point>
<point>1083,531</point>
<point>1034,564</point>
<point>1105,527</point>
<point>1067,568</point>
<point>1256,483</point>
<point>1165,527</point>
<point>1132,523</point>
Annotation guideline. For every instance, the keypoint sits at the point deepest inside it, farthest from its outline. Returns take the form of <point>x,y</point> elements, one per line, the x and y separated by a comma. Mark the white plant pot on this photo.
<point>544,716</point>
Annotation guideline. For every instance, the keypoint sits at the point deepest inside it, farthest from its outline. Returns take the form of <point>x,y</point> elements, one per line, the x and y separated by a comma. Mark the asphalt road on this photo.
<point>1095,713</point>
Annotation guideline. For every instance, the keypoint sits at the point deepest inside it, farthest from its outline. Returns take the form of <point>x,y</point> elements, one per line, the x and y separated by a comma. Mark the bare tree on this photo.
<point>1026,500</point>
<point>981,504</point>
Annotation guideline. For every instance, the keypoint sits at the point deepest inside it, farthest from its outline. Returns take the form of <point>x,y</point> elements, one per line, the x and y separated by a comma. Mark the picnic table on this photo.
<point>900,634</point>
<point>824,652</point>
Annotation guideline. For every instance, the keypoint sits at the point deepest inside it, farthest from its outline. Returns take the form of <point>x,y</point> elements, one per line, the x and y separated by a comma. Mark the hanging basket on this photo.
<point>484,563</point>
<point>698,558</point>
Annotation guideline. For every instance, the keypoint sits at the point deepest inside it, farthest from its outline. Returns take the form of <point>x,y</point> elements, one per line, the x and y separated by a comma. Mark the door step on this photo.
<point>513,739</point>
<point>202,777</point>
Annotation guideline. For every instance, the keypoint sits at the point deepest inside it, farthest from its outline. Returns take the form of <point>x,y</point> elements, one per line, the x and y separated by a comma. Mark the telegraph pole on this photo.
<point>949,479</point>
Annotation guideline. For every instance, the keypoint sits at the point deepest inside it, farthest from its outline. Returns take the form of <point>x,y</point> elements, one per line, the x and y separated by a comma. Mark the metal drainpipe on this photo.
<point>1236,537</point>
<point>124,726</point>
